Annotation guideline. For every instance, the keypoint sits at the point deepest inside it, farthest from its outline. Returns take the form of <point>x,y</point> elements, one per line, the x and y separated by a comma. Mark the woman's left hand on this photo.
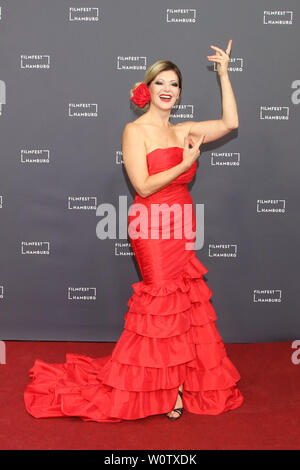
<point>222,58</point>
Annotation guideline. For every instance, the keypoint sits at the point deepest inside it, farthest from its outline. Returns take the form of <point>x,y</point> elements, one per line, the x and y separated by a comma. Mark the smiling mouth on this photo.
<point>165,97</point>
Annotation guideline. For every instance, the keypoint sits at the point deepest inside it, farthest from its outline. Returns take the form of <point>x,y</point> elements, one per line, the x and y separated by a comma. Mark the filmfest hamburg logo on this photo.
<point>267,295</point>
<point>123,249</point>
<point>35,156</point>
<point>180,15</point>
<point>271,205</point>
<point>82,202</point>
<point>222,250</point>
<point>225,158</point>
<point>35,248</point>
<point>131,63</point>
<point>275,113</point>
<point>83,110</point>
<point>82,293</point>
<point>35,61</point>
<point>84,14</point>
<point>183,111</point>
<point>280,17</point>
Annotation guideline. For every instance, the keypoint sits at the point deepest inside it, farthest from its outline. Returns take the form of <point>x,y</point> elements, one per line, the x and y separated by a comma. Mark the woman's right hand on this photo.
<point>190,155</point>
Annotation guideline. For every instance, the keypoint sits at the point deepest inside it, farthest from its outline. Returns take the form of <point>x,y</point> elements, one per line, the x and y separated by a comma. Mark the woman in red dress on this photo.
<point>170,355</point>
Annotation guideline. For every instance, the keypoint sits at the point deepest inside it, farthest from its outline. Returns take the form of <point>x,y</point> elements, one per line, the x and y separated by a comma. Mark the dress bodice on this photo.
<point>162,159</point>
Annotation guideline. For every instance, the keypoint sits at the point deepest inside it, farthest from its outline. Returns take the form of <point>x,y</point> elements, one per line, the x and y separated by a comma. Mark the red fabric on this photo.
<point>169,338</point>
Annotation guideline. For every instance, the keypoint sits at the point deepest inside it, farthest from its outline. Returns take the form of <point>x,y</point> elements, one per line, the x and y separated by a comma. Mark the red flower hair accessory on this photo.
<point>141,95</point>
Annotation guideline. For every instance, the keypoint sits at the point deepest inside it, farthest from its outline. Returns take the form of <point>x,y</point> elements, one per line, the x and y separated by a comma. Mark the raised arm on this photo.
<point>215,129</point>
<point>135,161</point>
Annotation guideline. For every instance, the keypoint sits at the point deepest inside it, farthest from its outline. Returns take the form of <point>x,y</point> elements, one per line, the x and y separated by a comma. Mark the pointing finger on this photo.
<point>229,46</point>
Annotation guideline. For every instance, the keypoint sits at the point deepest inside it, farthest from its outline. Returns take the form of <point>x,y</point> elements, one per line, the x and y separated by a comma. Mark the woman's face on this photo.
<point>165,83</point>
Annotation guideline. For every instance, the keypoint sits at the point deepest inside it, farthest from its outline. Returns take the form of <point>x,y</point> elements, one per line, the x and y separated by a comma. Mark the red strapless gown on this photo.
<point>169,338</point>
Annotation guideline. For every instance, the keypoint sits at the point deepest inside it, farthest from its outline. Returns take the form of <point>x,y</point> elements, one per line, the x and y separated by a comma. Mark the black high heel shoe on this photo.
<point>178,410</point>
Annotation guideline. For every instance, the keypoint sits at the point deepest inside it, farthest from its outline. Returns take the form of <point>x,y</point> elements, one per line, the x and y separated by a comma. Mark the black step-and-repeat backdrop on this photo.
<point>66,71</point>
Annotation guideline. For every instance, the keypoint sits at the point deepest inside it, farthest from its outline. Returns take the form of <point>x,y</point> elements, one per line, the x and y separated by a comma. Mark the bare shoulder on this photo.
<point>132,129</point>
<point>128,128</point>
<point>132,139</point>
<point>133,126</point>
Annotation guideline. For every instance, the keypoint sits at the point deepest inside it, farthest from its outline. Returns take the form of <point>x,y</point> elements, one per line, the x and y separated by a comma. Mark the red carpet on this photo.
<point>268,419</point>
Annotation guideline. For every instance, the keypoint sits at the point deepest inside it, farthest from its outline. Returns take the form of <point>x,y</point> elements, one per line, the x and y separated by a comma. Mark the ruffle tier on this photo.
<point>169,338</point>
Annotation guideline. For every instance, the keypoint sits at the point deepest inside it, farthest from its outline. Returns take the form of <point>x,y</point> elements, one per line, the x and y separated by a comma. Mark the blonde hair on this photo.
<point>150,75</point>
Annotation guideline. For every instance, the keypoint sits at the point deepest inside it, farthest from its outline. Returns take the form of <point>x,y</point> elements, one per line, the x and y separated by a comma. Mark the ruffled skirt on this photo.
<point>169,338</point>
